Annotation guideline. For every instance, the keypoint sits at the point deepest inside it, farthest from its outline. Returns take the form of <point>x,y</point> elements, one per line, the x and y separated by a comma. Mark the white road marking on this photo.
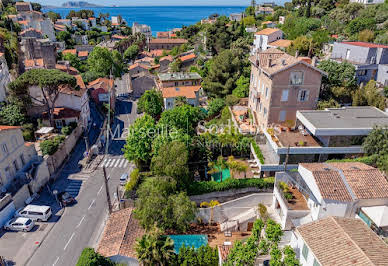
<point>99,191</point>
<point>117,162</point>
<point>111,164</point>
<point>122,162</point>
<point>56,261</point>
<point>102,164</point>
<point>91,204</point>
<point>68,242</point>
<point>126,163</point>
<point>106,165</point>
<point>80,222</point>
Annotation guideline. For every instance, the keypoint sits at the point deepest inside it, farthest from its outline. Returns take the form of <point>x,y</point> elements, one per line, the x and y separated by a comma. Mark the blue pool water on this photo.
<point>189,241</point>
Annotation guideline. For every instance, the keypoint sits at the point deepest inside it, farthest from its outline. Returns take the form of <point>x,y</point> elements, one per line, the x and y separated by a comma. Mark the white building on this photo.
<point>142,28</point>
<point>320,190</point>
<point>83,22</point>
<point>264,37</point>
<point>5,77</point>
<point>338,241</point>
<point>367,2</point>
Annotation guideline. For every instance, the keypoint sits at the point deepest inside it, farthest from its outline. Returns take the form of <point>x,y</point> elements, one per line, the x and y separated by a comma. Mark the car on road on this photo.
<point>20,224</point>
<point>66,199</point>
<point>35,212</point>
<point>123,179</point>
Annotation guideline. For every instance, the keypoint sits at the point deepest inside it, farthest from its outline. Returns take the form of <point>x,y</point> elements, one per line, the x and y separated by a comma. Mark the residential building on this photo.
<point>141,28</point>
<point>117,37</point>
<point>164,63</point>
<point>59,27</point>
<point>251,29</point>
<point>187,60</point>
<point>185,84</point>
<point>138,68</point>
<point>280,85</point>
<point>69,51</point>
<point>268,24</point>
<point>264,37</point>
<point>142,82</point>
<point>316,136</point>
<point>5,77</point>
<point>119,237</point>
<point>163,34</point>
<point>338,241</point>
<point>103,89</point>
<point>38,49</point>
<point>116,21</point>
<point>15,154</point>
<point>84,23</point>
<point>367,2</point>
<point>264,10</point>
<point>83,55</point>
<point>165,44</point>
<point>320,190</point>
<point>31,33</point>
<point>280,44</point>
<point>62,117</point>
<point>93,22</point>
<point>23,6</point>
<point>236,16</point>
<point>64,22</point>
<point>366,57</point>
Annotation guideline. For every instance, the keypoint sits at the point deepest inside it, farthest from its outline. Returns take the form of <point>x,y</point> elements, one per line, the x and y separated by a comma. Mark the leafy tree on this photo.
<point>74,61</point>
<point>89,257</point>
<point>100,61</point>
<point>131,52</point>
<point>155,249</point>
<point>249,21</point>
<point>215,106</point>
<point>369,95</point>
<point>242,87</point>
<point>183,118</point>
<point>382,38</point>
<point>36,6</point>
<point>236,166</point>
<point>289,258</point>
<point>231,100</point>
<point>360,23</point>
<point>49,82</point>
<point>295,26</point>
<point>176,65</point>
<point>276,256</point>
<point>172,161</point>
<point>65,36</point>
<point>204,255</point>
<point>83,13</point>
<point>331,103</point>
<point>53,16</point>
<point>180,100</point>
<point>183,211</point>
<point>273,231</point>
<point>12,114</point>
<point>376,142</point>
<point>138,147</point>
<point>50,146</point>
<point>118,63</point>
<point>151,102</point>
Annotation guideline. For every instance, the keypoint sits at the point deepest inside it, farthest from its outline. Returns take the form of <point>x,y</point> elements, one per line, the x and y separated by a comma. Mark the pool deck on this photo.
<point>214,240</point>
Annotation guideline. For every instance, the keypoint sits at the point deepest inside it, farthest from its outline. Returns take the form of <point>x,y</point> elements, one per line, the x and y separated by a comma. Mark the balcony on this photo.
<point>291,196</point>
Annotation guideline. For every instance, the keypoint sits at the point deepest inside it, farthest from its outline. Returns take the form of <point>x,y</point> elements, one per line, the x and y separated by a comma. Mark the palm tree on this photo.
<point>211,205</point>
<point>218,166</point>
<point>236,166</point>
<point>154,249</point>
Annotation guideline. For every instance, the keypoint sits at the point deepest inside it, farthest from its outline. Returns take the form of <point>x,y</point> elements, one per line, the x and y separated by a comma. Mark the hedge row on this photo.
<point>258,152</point>
<point>369,160</point>
<point>198,188</point>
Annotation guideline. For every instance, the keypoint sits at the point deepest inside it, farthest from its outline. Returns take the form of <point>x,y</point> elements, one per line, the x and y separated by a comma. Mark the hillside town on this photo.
<point>257,138</point>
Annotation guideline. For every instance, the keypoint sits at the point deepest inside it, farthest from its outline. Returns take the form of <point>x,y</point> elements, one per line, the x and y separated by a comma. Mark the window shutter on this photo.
<point>307,95</point>
<point>299,93</point>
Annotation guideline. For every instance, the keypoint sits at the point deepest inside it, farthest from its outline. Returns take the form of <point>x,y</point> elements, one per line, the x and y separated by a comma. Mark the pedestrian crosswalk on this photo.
<point>74,187</point>
<point>118,162</point>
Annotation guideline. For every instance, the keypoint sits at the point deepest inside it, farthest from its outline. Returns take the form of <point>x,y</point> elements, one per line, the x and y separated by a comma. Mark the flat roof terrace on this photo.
<point>345,121</point>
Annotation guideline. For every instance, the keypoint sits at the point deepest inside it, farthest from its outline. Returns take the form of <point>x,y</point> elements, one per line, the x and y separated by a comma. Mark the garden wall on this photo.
<point>55,161</point>
<point>229,210</point>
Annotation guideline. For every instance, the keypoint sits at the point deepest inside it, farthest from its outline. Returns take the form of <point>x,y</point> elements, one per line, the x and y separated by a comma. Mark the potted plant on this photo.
<point>271,131</point>
<point>301,143</point>
<point>289,124</point>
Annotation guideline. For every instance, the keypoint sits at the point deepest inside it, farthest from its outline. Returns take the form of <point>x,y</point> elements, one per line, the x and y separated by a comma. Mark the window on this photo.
<point>58,123</point>
<point>305,251</point>
<point>260,107</point>
<point>316,263</point>
<point>22,159</point>
<point>4,148</point>
<point>265,111</point>
<point>347,54</point>
<point>15,165</point>
<point>362,72</point>
<point>296,78</point>
<point>266,92</point>
<point>284,95</point>
<point>282,116</point>
<point>303,95</point>
<point>176,83</point>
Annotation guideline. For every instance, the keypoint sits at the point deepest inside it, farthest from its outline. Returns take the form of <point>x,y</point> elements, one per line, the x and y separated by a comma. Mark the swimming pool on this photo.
<point>188,240</point>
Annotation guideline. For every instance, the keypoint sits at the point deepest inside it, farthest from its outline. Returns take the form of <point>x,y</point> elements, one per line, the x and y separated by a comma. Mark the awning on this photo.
<point>378,214</point>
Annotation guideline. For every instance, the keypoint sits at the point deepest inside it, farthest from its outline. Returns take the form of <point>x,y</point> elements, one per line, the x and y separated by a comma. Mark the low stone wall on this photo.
<point>229,210</point>
<point>227,195</point>
<point>55,161</point>
<point>20,197</point>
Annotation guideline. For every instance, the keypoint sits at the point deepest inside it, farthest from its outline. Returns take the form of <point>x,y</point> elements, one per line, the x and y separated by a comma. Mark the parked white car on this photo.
<point>123,179</point>
<point>20,224</point>
<point>35,212</point>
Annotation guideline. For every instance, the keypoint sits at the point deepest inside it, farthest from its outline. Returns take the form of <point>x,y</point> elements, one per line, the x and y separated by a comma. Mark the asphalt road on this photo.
<point>81,225</point>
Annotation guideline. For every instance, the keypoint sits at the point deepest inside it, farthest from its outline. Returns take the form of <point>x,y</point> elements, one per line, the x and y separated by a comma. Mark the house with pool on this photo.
<point>320,190</point>
<point>316,136</point>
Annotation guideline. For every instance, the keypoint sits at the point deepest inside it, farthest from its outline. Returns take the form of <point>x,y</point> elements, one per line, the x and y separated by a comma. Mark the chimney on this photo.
<point>283,62</point>
<point>297,53</point>
<point>269,62</point>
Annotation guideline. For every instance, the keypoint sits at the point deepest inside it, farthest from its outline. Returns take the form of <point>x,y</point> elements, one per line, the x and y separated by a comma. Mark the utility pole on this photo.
<point>107,191</point>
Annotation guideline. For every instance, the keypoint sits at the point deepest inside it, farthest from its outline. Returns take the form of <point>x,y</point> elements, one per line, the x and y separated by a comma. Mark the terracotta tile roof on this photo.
<point>34,62</point>
<point>30,29</point>
<point>62,113</point>
<point>120,234</point>
<point>115,24</point>
<point>63,20</point>
<point>267,31</point>
<point>103,83</point>
<point>8,127</point>
<point>59,27</point>
<point>70,51</point>
<point>168,41</point>
<point>68,69</point>
<point>266,22</point>
<point>91,18</point>
<point>187,57</point>
<point>24,22</point>
<point>173,35</point>
<point>22,3</point>
<point>281,43</point>
<point>83,53</point>
<point>367,44</point>
<point>29,144</point>
<point>344,241</point>
<point>138,65</point>
<point>116,36</point>
<point>162,34</point>
<point>345,181</point>
<point>145,59</point>
<point>168,58</point>
<point>185,91</point>
<point>80,82</point>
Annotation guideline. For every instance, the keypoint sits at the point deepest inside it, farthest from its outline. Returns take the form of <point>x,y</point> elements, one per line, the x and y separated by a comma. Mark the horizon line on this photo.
<point>43,6</point>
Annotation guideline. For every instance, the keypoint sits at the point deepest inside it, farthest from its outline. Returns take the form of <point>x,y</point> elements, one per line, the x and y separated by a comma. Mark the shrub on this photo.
<point>215,106</point>
<point>369,160</point>
<point>133,181</point>
<point>231,100</point>
<point>204,255</point>
<point>89,257</point>
<point>258,152</point>
<point>50,146</point>
<point>198,188</point>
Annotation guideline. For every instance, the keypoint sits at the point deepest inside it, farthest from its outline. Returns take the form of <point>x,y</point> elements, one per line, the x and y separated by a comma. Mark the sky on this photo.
<point>153,2</point>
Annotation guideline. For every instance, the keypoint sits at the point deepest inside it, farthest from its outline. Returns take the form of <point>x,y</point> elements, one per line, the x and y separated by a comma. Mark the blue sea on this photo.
<point>160,18</point>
